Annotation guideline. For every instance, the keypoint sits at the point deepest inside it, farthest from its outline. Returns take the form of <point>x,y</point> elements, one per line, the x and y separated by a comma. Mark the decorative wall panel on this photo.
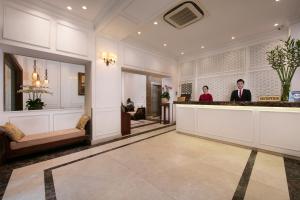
<point>273,129</point>
<point>26,28</point>
<point>264,83</point>
<point>258,56</point>
<point>234,60</point>
<point>220,72</point>
<point>187,69</point>
<point>63,121</point>
<point>210,65</point>
<point>225,62</point>
<point>71,40</point>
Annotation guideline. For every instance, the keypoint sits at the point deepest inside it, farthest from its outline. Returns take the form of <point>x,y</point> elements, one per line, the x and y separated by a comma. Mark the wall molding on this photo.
<point>59,48</point>
<point>5,7</point>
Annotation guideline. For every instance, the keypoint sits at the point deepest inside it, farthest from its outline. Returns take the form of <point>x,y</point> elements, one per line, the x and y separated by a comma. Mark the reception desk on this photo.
<point>269,126</point>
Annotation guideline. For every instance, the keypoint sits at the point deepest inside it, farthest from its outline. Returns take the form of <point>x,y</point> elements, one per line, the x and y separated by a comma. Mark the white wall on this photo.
<point>106,92</point>
<point>107,81</point>
<point>221,70</point>
<point>134,87</point>
<point>143,60</point>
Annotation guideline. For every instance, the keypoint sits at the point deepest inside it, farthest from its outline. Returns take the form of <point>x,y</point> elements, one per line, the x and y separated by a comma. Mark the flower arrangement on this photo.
<point>285,60</point>
<point>34,101</point>
<point>165,96</point>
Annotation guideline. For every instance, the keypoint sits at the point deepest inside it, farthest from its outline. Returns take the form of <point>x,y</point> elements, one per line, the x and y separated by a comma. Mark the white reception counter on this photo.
<point>275,129</point>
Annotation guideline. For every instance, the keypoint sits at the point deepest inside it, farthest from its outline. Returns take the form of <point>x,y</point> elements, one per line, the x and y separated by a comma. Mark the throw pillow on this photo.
<point>13,132</point>
<point>82,121</point>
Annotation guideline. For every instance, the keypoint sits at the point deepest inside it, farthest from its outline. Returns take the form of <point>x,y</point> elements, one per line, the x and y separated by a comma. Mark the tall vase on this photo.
<point>285,91</point>
<point>164,100</point>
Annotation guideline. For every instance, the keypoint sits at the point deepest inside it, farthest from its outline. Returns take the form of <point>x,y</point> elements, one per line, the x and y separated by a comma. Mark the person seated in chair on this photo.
<point>129,105</point>
<point>240,94</point>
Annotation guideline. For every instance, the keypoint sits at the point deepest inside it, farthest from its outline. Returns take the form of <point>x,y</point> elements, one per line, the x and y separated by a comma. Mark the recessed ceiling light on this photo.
<point>155,23</point>
<point>276,24</point>
<point>84,7</point>
<point>182,53</point>
<point>69,7</point>
<point>139,32</point>
<point>233,38</point>
<point>202,47</point>
<point>277,0</point>
<point>165,44</point>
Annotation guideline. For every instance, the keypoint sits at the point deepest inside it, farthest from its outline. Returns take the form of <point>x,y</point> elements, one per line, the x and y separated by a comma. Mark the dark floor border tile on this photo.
<point>50,193</point>
<point>49,187</point>
<point>133,135</point>
<point>292,170</point>
<point>7,169</point>
<point>5,174</point>
<point>142,125</point>
<point>241,189</point>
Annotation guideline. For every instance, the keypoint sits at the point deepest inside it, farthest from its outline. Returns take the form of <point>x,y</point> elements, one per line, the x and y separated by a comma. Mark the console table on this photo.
<point>165,119</point>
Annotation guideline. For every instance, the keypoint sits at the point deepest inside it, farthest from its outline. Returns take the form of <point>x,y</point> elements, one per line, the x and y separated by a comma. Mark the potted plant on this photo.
<point>285,59</point>
<point>34,101</point>
<point>35,104</point>
<point>165,96</point>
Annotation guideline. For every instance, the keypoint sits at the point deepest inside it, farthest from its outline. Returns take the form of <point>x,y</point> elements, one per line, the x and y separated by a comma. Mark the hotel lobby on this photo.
<point>148,100</point>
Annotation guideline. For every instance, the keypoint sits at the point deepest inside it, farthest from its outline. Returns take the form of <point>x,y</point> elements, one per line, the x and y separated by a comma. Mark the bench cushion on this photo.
<point>44,138</point>
<point>82,122</point>
<point>13,132</point>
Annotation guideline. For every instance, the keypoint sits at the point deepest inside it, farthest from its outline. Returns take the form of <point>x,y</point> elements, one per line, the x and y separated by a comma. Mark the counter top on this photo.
<point>228,103</point>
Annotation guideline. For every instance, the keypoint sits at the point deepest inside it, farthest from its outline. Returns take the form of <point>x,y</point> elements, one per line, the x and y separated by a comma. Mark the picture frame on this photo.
<point>81,84</point>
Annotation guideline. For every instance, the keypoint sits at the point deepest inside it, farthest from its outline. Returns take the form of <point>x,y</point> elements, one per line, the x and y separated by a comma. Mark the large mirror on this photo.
<point>35,84</point>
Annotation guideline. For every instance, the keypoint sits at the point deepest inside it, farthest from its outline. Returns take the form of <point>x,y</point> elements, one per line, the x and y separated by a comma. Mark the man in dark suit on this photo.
<point>240,94</point>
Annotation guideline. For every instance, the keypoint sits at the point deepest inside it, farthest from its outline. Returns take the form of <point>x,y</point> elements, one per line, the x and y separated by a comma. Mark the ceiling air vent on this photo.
<point>184,14</point>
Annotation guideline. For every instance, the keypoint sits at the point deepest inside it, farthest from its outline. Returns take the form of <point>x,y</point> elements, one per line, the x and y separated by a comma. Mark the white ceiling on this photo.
<point>93,7</point>
<point>223,19</point>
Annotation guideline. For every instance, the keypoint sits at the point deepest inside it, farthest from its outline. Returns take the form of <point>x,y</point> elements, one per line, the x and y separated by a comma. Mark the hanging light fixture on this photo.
<point>46,81</point>
<point>34,73</point>
<point>38,81</point>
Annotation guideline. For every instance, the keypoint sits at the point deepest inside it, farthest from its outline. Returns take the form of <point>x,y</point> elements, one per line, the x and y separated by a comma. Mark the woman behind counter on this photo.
<point>205,97</point>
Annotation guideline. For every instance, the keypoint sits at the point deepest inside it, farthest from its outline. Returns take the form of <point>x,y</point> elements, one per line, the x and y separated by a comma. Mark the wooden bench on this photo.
<point>30,144</point>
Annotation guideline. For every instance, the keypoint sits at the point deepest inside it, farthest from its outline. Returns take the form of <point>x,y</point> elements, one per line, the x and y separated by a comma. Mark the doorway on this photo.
<point>13,76</point>
<point>155,100</point>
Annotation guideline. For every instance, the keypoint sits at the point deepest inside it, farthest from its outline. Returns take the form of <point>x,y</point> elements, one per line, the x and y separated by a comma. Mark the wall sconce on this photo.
<point>109,58</point>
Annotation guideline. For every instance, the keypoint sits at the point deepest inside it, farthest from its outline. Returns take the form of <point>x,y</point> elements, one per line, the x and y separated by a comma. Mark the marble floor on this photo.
<point>161,164</point>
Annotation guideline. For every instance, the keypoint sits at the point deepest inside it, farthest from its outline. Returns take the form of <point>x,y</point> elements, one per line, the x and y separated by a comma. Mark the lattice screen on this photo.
<point>264,83</point>
<point>186,88</point>
<point>221,71</point>
<point>227,62</point>
<point>258,57</point>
